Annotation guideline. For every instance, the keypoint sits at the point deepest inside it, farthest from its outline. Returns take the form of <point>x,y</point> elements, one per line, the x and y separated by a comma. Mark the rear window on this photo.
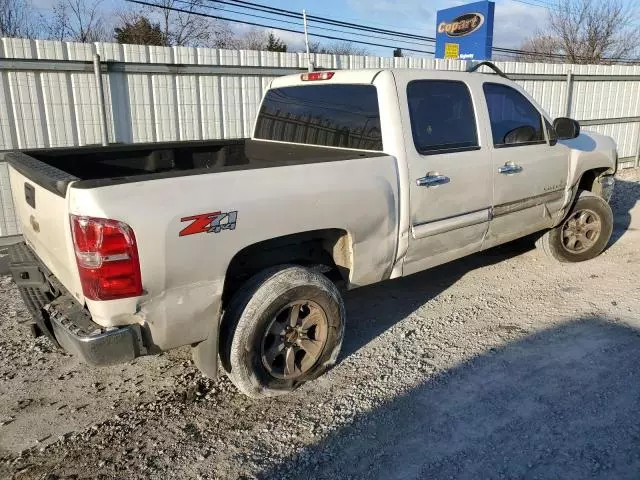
<point>344,116</point>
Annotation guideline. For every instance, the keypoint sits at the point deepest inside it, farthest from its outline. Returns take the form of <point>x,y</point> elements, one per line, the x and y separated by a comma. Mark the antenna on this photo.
<point>306,40</point>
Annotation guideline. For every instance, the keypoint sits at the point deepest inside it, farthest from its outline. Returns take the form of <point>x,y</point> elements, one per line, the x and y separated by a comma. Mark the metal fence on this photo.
<point>55,94</point>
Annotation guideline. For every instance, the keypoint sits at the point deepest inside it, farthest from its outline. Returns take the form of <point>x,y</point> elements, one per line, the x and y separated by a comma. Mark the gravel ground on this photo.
<point>500,365</point>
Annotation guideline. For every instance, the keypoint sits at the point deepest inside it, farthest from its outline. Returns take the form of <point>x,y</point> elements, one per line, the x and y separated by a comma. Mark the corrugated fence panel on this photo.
<point>118,112</point>
<point>8,139</point>
<point>166,95</point>
<point>25,91</point>
<point>139,96</point>
<point>8,221</point>
<point>60,108</point>
<point>85,94</point>
<point>61,122</point>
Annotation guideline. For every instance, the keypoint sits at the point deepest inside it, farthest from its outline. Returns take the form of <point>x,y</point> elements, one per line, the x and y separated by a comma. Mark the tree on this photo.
<point>185,28</point>
<point>77,21</point>
<point>274,44</point>
<point>251,39</point>
<point>588,31</point>
<point>543,48</point>
<point>139,31</point>
<point>17,19</point>
<point>338,48</point>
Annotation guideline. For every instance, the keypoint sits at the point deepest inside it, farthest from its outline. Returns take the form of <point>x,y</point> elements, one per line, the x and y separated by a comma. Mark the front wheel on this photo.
<point>583,234</point>
<point>282,329</point>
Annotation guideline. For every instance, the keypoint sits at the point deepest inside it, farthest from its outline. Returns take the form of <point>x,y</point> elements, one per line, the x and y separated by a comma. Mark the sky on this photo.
<point>515,20</point>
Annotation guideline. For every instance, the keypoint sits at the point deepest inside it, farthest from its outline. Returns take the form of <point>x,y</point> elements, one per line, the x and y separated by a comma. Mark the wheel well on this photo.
<point>589,181</point>
<point>329,248</point>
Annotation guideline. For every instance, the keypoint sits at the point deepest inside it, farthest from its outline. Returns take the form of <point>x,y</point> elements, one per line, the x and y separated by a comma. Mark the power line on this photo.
<point>217,17</point>
<point>191,3</point>
<point>323,20</point>
<point>546,7</point>
<point>291,14</point>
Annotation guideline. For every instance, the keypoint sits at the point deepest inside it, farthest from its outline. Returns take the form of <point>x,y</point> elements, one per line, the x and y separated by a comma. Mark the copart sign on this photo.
<point>467,30</point>
<point>462,25</point>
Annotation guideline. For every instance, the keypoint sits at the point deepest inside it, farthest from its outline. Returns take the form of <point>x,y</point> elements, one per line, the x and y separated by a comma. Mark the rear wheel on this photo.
<point>583,234</point>
<point>282,329</point>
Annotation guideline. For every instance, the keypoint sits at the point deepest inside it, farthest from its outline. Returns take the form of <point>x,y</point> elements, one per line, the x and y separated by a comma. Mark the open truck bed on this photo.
<point>166,202</point>
<point>94,167</point>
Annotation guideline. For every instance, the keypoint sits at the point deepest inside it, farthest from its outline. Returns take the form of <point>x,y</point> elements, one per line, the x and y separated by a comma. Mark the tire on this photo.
<point>259,321</point>
<point>557,242</point>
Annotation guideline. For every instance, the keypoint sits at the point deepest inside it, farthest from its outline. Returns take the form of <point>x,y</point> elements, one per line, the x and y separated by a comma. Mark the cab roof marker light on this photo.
<point>315,76</point>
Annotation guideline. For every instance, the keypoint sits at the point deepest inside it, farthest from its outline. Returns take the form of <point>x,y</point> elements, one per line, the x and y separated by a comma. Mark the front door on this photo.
<point>450,173</point>
<point>529,169</point>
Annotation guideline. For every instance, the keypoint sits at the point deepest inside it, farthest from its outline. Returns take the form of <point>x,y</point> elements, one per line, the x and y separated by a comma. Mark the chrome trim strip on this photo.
<point>444,225</point>
<point>511,207</point>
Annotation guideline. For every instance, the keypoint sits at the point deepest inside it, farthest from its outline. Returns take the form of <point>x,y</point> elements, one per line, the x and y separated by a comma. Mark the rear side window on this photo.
<point>330,115</point>
<point>514,119</point>
<point>442,116</point>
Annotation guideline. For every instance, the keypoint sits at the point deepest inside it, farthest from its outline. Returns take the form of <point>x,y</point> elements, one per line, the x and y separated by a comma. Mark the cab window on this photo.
<point>514,119</point>
<point>442,117</point>
<point>333,115</point>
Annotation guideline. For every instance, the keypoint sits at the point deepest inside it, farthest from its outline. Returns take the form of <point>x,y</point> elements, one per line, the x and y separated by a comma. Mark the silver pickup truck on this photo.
<point>238,248</point>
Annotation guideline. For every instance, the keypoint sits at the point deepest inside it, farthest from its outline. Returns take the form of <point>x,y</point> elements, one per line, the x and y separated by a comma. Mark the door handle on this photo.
<point>432,180</point>
<point>509,168</point>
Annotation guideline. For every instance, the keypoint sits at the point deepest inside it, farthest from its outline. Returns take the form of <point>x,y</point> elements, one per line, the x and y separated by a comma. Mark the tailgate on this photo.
<point>41,209</point>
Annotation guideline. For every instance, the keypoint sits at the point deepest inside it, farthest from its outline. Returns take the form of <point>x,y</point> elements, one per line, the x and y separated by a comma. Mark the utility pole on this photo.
<point>306,40</point>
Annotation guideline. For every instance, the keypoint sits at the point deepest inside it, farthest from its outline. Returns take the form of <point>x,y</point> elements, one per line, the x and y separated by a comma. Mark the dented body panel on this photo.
<point>184,275</point>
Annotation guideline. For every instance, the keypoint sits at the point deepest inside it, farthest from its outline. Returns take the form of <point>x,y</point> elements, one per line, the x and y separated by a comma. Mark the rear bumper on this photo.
<point>60,317</point>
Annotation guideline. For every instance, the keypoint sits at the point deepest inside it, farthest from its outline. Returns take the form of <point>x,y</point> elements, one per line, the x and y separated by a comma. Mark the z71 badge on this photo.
<point>209,223</point>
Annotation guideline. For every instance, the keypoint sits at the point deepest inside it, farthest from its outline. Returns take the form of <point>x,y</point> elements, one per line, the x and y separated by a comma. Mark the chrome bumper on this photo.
<point>79,335</point>
<point>60,317</point>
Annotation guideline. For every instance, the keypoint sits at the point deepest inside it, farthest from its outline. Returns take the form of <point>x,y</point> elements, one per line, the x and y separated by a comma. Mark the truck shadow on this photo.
<point>561,403</point>
<point>408,294</point>
<point>625,198</point>
<point>4,261</point>
<point>401,297</point>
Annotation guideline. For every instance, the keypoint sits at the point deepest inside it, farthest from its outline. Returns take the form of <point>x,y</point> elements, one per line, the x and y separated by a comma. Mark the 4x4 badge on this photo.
<point>209,223</point>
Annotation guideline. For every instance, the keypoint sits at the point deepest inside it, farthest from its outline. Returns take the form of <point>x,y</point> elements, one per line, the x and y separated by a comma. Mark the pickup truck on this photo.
<point>240,248</point>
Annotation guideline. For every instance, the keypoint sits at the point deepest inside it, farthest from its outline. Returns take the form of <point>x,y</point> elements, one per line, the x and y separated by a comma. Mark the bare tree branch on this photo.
<point>541,48</point>
<point>17,19</point>
<point>588,31</point>
<point>78,21</point>
<point>338,48</point>
<point>185,29</point>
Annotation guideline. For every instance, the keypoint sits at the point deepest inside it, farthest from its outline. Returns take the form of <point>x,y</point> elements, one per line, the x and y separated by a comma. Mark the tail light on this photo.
<point>107,257</point>
<point>313,76</point>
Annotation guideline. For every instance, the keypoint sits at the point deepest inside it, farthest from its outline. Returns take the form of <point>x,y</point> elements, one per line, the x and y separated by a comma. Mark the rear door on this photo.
<point>529,170</point>
<point>449,168</point>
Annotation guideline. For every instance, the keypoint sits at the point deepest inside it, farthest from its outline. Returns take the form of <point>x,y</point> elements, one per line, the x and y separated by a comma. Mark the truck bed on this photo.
<point>94,167</point>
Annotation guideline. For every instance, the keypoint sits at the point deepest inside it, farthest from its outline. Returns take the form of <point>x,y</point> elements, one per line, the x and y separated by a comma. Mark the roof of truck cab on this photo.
<point>367,76</point>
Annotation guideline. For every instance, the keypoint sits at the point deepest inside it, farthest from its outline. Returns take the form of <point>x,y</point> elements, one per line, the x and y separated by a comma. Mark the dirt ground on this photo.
<point>500,365</point>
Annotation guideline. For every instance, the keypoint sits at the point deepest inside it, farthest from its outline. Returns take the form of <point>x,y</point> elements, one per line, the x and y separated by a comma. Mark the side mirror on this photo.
<point>566,128</point>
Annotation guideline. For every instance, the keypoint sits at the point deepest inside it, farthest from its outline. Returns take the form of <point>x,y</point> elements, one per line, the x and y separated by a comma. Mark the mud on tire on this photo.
<point>283,328</point>
<point>583,234</point>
